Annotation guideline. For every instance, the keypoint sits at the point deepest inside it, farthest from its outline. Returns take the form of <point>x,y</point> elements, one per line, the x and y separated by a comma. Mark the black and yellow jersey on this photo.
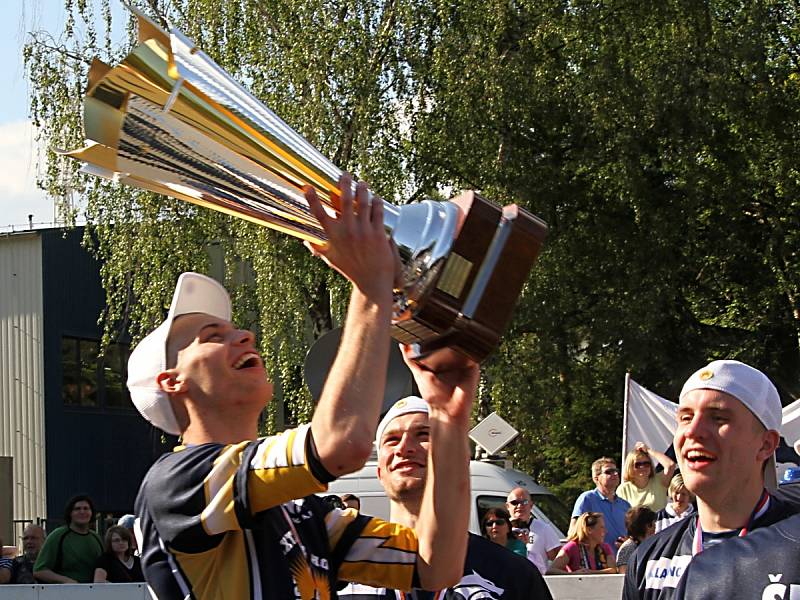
<point>241,522</point>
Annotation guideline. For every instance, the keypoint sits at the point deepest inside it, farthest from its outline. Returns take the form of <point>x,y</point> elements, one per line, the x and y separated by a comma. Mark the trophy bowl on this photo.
<point>168,119</point>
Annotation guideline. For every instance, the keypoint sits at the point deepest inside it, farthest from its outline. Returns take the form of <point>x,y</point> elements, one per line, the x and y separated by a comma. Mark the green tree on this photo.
<point>658,142</point>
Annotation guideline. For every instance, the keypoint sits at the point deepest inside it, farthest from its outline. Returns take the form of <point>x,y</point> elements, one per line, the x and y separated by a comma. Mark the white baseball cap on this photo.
<point>409,404</point>
<point>194,293</point>
<point>750,387</point>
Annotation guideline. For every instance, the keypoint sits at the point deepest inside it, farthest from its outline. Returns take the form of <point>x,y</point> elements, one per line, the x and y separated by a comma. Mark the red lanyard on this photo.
<point>760,509</point>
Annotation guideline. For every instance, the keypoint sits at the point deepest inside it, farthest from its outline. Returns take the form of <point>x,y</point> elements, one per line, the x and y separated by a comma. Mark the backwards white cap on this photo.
<point>409,404</point>
<point>750,387</point>
<point>194,293</point>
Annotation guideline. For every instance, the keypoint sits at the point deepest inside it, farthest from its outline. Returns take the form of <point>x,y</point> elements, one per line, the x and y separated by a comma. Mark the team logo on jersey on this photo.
<point>476,587</point>
<point>665,572</point>
<point>777,590</point>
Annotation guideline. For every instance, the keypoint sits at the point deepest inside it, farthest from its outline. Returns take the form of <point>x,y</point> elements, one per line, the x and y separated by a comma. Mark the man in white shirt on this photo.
<point>540,538</point>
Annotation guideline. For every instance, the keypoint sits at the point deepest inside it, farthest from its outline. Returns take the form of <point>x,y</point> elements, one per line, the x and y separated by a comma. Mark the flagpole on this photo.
<point>625,417</point>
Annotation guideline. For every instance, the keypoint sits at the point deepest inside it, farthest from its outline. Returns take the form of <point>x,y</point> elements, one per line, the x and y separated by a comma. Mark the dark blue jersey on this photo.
<point>658,564</point>
<point>769,556</point>
<point>491,572</point>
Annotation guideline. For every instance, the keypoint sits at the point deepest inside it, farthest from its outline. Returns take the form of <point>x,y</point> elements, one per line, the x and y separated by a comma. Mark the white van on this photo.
<point>489,483</point>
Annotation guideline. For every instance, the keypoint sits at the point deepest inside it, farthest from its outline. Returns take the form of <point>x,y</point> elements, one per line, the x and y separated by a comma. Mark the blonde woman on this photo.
<point>585,552</point>
<point>679,507</point>
<point>643,486</point>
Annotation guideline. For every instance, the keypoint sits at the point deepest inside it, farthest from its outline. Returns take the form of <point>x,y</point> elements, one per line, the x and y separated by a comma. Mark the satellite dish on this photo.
<point>399,381</point>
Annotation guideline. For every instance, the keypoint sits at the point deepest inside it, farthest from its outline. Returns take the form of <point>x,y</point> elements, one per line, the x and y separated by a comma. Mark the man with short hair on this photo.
<point>351,501</point>
<point>604,499</point>
<point>228,515</point>
<point>405,464</point>
<point>32,542</point>
<point>70,552</point>
<point>728,419</point>
<point>539,537</point>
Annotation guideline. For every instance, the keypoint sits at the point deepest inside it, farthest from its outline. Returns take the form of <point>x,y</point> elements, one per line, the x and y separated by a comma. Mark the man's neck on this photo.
<point>77,528</point>
<point>405,512</point>
<point>607,494</point>
<point>730,512</point>
<point>231,428</point>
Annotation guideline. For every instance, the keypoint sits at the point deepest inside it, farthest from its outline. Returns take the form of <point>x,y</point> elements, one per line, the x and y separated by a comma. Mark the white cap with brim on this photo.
<point>194,293</point>
<point>750,387</point>
<point>409,404</point>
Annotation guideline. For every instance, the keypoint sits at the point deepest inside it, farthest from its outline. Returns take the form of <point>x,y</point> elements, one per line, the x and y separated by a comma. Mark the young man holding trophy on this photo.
<point>228,515</point>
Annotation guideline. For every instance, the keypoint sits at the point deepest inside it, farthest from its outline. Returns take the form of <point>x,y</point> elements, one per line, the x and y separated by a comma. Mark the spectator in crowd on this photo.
<point>404,469</point>
<point>496,526</point>
<point>71,551</point>
<point>641,524</point>
<point>642,485</point>
<point>118,564</point>
<point>728,419</point>
<point>32,542</point>
<point>603,499</point>
<point>6,565</point>
<point>333,501</point>
<point>200,376</point>
<point>540,538</point>
<point>128,522</point>
<point>679,505</point>
<point>586,551</point>
<point>352,501</point>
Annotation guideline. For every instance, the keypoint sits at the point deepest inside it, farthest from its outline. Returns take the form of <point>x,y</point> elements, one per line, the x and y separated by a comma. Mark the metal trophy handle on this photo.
<point>170,120</point>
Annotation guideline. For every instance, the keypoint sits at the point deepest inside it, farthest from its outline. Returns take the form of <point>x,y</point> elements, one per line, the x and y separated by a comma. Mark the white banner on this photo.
<point>648,418</point>
<point>790,429</point>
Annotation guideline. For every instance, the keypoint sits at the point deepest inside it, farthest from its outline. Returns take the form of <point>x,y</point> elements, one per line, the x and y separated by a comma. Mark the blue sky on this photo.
<point>18,194</point>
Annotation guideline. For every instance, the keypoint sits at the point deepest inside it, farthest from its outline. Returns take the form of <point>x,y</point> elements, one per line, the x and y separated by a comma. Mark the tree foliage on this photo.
<point>657,140</point>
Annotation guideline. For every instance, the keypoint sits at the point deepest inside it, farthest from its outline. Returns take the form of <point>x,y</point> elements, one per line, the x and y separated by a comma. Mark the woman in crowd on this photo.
<point>497,527</point>
<point>643,486</point>
<point>585,552</point>
<point>118,564</point>
<point>640,522</point>
<point>679,507</point>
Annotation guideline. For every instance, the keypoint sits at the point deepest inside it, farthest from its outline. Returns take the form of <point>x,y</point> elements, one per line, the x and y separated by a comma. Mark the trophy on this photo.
<point>170,120</point>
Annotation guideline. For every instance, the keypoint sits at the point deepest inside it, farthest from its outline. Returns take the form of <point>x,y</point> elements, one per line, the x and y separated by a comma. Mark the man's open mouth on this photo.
<point>247,360</point>
<point>699,458</point>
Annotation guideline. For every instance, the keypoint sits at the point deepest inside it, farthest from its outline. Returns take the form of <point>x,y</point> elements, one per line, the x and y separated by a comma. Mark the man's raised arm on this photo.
<point>444,515</point>
<point>344,422</point>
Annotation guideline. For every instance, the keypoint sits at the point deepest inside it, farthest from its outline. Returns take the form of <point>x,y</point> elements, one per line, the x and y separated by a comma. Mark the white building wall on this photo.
<point>22,370</point>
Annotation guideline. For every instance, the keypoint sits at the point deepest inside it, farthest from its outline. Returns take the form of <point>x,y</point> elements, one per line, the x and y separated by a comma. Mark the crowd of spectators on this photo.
<point>74,552</point>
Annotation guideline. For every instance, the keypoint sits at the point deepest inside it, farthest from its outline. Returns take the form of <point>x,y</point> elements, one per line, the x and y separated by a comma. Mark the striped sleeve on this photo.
<point>250,477</point>
<point>281,468</point>
<point>371,551</point>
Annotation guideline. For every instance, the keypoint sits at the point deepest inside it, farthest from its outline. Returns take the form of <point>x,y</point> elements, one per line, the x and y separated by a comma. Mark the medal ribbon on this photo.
<point>760,509</point>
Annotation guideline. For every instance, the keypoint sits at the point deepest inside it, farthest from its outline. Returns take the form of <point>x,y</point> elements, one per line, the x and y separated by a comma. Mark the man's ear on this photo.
<point>170,382</point>
<point>769,442</point>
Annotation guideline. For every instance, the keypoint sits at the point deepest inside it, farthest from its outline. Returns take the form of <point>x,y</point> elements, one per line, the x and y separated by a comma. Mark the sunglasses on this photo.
<point>494,522</point>
<point>610,471</point>
<point>639,464</point>
<point>519,502</point>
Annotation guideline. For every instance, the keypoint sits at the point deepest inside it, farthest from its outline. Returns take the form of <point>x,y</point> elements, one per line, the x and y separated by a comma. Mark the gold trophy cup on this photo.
<point>170,120</point>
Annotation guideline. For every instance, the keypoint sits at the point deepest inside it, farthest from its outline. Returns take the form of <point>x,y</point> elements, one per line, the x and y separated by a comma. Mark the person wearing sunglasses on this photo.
<point>604,500</point>
<point>643,486</point>
<point>497,527</point>
<point>540,538</point>
<point>585,550</point>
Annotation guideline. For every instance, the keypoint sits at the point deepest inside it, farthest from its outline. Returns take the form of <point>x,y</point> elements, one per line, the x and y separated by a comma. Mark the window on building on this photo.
<point>90,379</point>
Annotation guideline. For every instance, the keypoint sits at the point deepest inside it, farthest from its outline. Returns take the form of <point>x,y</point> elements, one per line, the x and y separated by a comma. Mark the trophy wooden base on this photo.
<point>472,301</point>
